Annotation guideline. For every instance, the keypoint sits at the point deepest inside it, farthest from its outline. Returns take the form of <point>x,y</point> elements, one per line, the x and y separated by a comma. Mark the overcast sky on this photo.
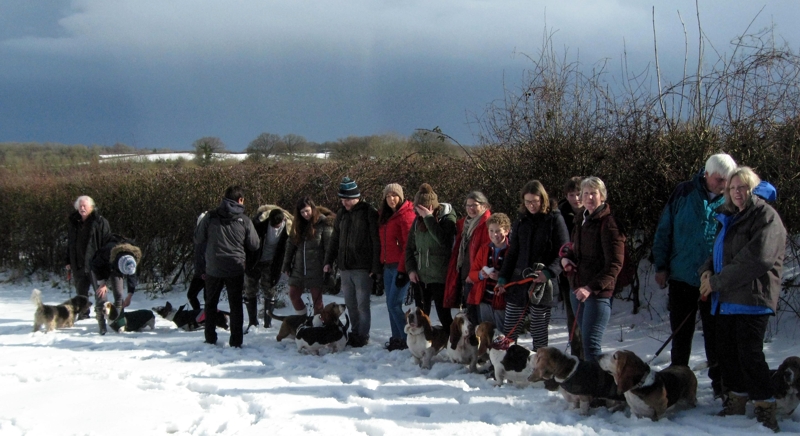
<point>163,73</point>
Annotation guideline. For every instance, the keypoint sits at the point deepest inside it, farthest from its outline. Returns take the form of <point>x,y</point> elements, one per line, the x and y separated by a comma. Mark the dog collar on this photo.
<point>502,343</point>
<point>647,380</point>
<point>571,373</point>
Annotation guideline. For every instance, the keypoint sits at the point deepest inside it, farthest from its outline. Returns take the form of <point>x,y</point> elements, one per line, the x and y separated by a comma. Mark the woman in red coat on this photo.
<point>394,222</point>
<point>471,235</point>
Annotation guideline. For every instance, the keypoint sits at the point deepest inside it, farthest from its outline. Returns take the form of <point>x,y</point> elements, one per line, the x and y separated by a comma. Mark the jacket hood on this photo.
<point>125,248</point>
<point>766,191</point>
<point>329,216</point>
<point>263,213</point>
<point>446,209</point>
<point>229,208</point>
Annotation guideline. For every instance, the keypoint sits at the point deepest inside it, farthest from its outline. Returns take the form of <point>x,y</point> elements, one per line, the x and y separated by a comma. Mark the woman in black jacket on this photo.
<point>536,238</point>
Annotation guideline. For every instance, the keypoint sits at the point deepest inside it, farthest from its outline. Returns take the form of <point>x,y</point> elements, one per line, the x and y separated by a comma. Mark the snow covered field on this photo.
<point>75,382</point>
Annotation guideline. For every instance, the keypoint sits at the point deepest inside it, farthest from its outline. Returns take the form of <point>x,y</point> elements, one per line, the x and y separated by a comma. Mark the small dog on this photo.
<point>56,317</point>
<point>289,324</point>
<point>579,382</point>
<point>786,385</point>
<point>424,340</point>
<point>510,362</point>
<point>462,346</point>
<point>650,393</point>
<point>190,319</point>
<point>133,321</point>
<point>332,336</point>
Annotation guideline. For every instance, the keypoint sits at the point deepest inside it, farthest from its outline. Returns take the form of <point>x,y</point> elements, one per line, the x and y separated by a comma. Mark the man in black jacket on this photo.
<point>356,247</point>
<point>229,235</point>
<point>87,232</point>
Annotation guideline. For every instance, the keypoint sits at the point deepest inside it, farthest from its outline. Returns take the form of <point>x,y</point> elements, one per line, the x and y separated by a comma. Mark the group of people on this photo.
<point>719,247</point>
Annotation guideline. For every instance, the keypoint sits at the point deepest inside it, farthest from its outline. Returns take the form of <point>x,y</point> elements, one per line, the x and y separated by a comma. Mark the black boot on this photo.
<point>252,313</point>
<point>269,304</point>
<point>101,324</point>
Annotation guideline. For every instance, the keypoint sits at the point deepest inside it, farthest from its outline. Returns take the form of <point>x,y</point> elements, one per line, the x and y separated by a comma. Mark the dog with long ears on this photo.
<point>290,323</point>
<point>786,385</point>
<point>579,382</point>
<point>331,336</point>
<point>190,319</point>
<point>650,393</point>
<point>424,340</point>
<point>57,317</point>
<point>510,361</point>
<point>131,321</point>
<point>462,345</point>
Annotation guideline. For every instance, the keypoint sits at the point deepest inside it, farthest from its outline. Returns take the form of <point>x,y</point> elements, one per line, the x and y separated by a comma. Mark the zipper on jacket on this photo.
<point>305,264</point>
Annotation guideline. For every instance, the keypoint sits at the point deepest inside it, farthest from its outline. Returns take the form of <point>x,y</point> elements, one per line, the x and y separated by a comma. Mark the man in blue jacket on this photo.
<point>683,241</point>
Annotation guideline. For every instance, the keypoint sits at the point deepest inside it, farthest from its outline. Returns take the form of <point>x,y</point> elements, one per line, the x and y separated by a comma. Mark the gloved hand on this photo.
<point>401,279</point>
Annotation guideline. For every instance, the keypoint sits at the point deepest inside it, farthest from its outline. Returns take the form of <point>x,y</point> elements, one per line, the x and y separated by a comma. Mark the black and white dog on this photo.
<point>190,319</point>
<point>332,336</point>
<point>128,321</point>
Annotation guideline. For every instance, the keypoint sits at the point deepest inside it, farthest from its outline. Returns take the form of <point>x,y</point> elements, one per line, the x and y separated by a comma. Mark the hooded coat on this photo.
<point>105,262</point>
<point>229,235</point>
<point>480,237</point>
<point>355,243</point>
<point>304,260</point>
<point>428,252</point>
<point>84,238</point>
<point>394,234</point>
<point>261,224</point>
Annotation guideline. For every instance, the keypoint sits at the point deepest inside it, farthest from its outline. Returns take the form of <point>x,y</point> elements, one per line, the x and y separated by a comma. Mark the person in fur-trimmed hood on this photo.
<point>115,260</point>
<point>273,226</point>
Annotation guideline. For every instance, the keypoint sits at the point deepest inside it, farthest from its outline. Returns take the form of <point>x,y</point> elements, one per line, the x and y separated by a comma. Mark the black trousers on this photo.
<point>740,344</point>
<point>83,282</point>
<point>195,287</point>
<point>683,304</point>
<point>214,286</point>
<point>433,292</point>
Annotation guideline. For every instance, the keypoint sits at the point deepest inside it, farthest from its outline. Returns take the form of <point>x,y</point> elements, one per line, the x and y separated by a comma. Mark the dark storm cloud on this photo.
<point>162,74</point>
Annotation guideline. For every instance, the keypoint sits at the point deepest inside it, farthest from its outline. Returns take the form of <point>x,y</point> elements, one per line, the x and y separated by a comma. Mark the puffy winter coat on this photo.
<point>480,237</point>
<point>686,231</point>
<point>394,234</point>
<point>355,243</point>
<point>229,235</point>
<point>105,262</point>
<point>599,251</point>
<point>84,238</point>
<point>261,224</point>
<point>751,256</point>
<point>428,251</point>
<point>485,257</point>
<point>534,239</point>
<point>304,261</point>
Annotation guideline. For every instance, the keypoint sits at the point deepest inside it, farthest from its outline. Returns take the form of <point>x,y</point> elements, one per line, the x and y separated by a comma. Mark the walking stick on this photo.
<point>69,282</point>
<point>669,339</point>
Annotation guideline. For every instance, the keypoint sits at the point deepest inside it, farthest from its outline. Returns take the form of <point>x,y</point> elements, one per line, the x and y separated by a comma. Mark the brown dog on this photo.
<point>424,340</point>
<point>462,346</point>
<point>579,382</point>
<point>650,393</point>
<point>289,324</point>
<point>786,385</point>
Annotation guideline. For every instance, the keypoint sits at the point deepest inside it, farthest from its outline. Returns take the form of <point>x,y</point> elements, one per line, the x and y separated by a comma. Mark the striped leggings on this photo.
<point>540,321</point>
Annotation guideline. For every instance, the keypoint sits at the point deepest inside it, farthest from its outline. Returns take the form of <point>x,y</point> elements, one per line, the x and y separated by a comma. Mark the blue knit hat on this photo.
<point>348,188</point>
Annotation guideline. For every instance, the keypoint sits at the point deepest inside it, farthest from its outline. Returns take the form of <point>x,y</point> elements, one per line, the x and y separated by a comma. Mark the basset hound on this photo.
<point>510,361</point>
<point>650,393</point>
<point>786,385</point>
<point>424,340</point>
<point>579,382</point>
<point>462,345</point>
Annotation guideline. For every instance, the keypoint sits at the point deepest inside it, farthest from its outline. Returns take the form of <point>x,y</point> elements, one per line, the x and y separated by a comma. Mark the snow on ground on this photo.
<point>167,381</point>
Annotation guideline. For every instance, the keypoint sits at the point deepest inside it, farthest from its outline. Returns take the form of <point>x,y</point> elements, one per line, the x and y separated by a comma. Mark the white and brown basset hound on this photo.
<point>650,393</point>
<point>424,340</point>
<point>462,346</point>
<point>579,382</point>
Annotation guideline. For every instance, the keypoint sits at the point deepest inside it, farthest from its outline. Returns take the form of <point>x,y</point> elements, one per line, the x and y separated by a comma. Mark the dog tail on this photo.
<point>36,297</point>
<point>278,317</point>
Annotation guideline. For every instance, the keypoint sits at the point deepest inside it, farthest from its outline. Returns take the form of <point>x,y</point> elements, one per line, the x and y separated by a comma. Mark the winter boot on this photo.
<point>766,414</point>
<point>734,404</point>
<point>269,304</point>
<point>101,323</point>
<point>252,313</point>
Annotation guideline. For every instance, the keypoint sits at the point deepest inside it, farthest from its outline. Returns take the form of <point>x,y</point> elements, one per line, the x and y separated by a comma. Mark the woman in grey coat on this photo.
<point>743,279</point>
<point>305,253</point>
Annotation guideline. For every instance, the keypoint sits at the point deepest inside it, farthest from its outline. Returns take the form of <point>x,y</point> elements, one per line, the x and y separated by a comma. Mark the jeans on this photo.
<point>214,286</point>
<point>394,302</point>
<point>357,288</point>
<point>593,315</point>
<point>497,317</point>
<point>113,286</point>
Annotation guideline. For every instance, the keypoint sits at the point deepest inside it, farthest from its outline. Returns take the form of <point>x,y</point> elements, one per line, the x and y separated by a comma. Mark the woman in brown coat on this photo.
<point>598,255</point>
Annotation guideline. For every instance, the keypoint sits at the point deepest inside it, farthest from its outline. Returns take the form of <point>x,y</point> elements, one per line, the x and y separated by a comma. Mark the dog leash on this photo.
<point>574,325</point>
<point>669,339</point>
<point>69,281</point>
